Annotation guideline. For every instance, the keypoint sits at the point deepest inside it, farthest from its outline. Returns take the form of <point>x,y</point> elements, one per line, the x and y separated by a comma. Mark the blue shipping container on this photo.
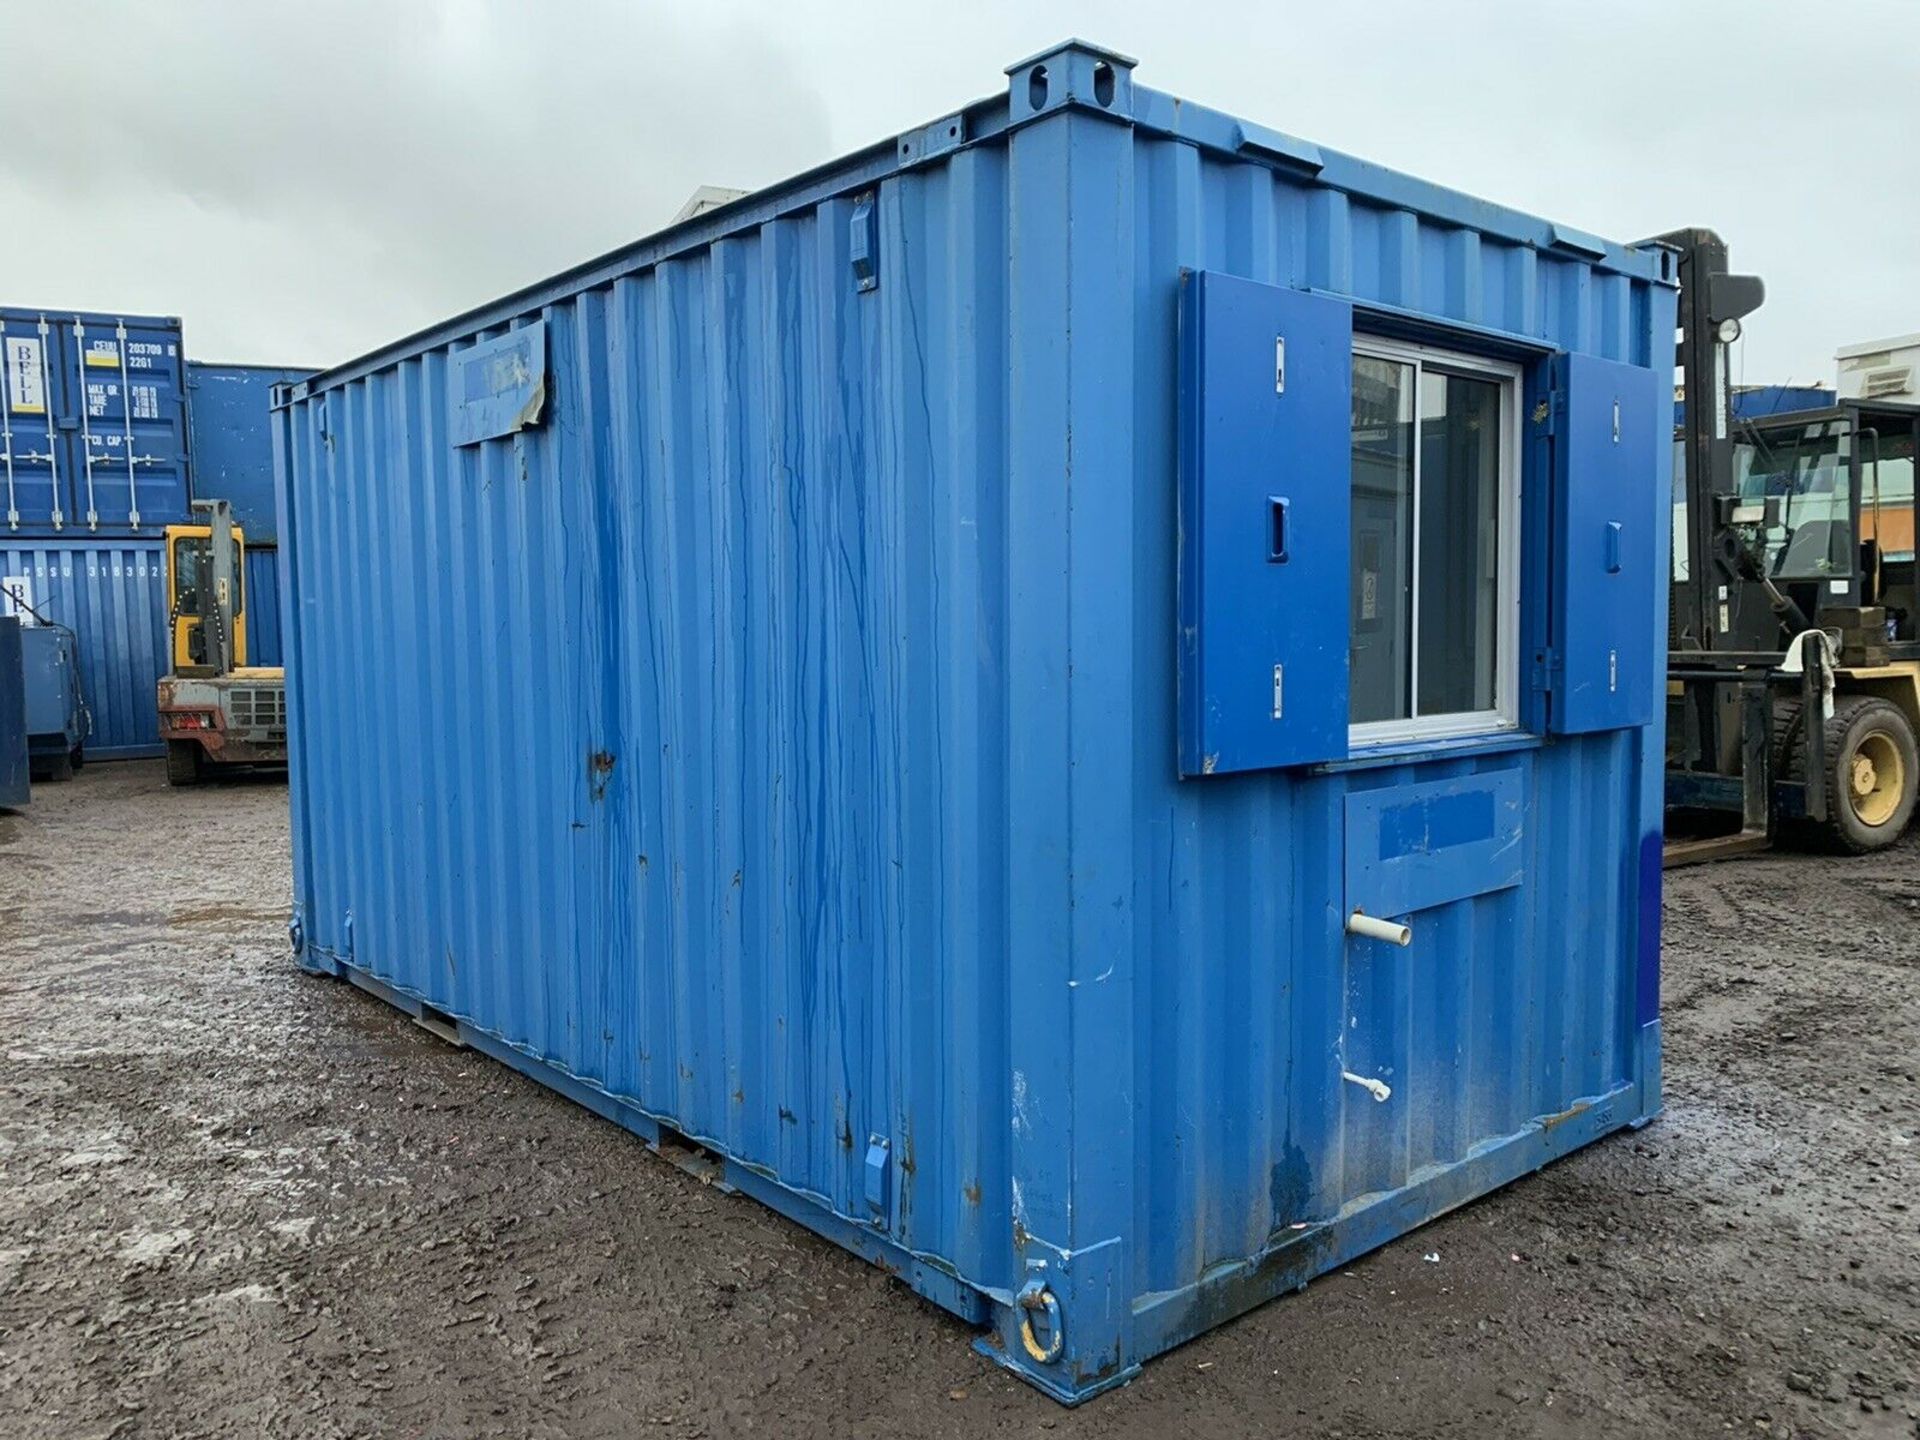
<point>911,682</point>
<point>113,597</point>
<point>1757,402</point>
<point>93,424</point>
<point>16,786</point>
<point>229,412</point>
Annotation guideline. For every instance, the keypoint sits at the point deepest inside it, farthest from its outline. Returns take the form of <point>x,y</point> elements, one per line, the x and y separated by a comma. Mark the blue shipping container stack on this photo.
<point>93,455</point>
<point>945,683</point>
<point>105,433</point>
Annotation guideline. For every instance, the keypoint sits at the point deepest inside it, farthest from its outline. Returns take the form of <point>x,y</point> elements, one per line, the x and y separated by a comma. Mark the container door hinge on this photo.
<point>863,243</point>
<point>879,1174</point>
<point>1547,669</point>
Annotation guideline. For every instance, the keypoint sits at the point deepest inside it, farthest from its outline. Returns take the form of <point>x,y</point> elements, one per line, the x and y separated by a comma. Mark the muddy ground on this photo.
<point>237,1201</point>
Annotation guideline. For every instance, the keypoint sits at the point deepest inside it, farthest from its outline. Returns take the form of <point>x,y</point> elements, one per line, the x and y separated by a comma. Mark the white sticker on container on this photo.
<point>26,376</point>
<point>103,354</point>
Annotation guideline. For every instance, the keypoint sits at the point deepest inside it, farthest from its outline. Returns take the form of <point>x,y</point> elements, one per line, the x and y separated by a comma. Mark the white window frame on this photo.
<point>1505,714</point>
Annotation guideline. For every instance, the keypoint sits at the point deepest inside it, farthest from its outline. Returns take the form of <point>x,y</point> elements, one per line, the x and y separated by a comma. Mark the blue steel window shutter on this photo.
<point>1605,594</point>
<point>498,386</point>
<point>1266,381</point>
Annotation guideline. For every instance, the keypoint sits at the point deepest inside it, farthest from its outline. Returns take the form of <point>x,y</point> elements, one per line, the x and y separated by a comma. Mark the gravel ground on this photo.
<point>238,1201</point>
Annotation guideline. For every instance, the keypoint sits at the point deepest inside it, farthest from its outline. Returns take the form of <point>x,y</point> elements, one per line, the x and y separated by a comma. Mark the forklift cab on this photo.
<point>191,604</point>
<point>1823,507</point>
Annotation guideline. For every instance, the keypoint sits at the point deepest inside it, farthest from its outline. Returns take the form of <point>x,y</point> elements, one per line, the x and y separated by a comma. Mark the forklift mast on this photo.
<point>1713,302</point>
<point>205,607</point>
<point>217,614</point>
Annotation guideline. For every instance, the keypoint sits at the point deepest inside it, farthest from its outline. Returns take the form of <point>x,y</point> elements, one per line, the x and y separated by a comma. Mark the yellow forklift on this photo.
<point>216,711</point>
<point>1793,674</point>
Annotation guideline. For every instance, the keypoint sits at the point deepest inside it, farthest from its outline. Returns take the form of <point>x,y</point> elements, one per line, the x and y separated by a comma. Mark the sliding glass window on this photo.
<point>1433,608</point>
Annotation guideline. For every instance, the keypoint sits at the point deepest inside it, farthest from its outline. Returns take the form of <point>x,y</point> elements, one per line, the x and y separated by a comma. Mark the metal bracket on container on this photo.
<point>1569,241</point>
<point>879,1173</point>
<point>1282,149</point>
<point>863,243</point>
<point>916,147</point>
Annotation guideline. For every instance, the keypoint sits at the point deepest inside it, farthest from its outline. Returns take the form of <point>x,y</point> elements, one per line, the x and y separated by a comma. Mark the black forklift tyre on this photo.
<point>183,762</point>
<point>1873,773</point>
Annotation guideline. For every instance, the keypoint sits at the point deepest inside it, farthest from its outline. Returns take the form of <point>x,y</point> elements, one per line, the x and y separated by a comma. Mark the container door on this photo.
<point>1266,412</point>
<point>130,471</point>
<point>36,496</point>
<point>1607,435</point>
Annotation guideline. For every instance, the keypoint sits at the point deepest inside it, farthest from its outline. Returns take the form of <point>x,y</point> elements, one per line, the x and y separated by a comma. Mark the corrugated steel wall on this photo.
<point>262,590</point>
<point>796,753</point>
<point>113,597</point>
<point>230,417</point>
<point>1533,1005</point>
<point>755,719</point>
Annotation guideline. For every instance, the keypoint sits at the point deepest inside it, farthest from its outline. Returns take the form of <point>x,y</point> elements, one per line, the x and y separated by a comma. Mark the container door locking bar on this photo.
<point>86,424</point>
<point>52,457</point>
<point>6,424</point>
<point>126,409</point>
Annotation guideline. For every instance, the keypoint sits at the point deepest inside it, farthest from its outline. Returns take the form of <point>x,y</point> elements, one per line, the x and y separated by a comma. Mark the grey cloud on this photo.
<point>370,166</point>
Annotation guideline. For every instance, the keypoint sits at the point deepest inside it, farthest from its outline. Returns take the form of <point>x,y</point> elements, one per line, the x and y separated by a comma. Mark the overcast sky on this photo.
<point>301,182</point>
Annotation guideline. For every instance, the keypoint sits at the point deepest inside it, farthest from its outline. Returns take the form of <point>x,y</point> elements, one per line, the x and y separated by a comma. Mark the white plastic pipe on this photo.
<point>1360,923</point>
<point>1378,1089</point>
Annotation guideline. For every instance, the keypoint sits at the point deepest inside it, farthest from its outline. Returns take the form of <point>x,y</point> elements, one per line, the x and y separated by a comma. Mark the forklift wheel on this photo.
<point>1873,769</point>
<point>183,762</point>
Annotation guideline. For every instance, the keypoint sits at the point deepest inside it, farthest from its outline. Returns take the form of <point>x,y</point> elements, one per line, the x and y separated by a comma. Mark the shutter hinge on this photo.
<point>1547,669</point>
<point>1548,413</point>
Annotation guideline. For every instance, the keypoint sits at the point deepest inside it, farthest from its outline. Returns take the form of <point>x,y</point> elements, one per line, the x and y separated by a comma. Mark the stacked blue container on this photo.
<point>1073,697</point>
<point>93,457</point>
<point>105,433</point>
